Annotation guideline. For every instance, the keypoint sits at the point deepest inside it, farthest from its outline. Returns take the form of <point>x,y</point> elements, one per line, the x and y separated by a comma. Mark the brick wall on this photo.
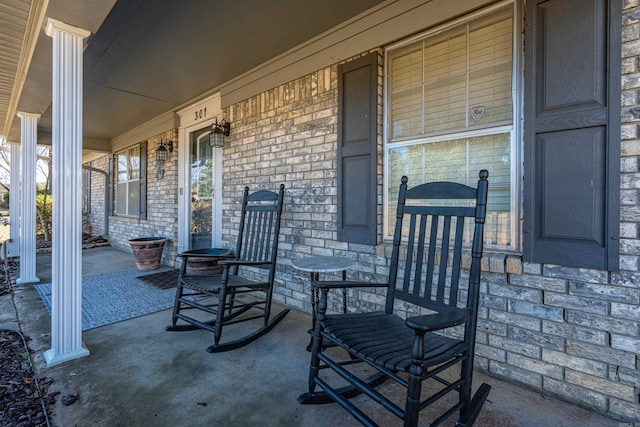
<point>162,203</point>
<point>567,332</point>
<point>93,223</point>
<point>288,135</point>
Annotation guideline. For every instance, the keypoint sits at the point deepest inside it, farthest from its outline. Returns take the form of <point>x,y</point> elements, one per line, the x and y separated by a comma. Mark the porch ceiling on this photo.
<point>16,37</point>
<point>147,57</point>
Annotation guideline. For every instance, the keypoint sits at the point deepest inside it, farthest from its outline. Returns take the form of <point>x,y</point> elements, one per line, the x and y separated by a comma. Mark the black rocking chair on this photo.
<point>229,298</point>
<point>439,328</point>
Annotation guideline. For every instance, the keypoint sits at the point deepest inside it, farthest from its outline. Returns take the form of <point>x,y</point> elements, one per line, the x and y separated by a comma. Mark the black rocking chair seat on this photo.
<point>389,343</point>
<point>228,297</point>
<point>434,338</point>
<point>212,283</point>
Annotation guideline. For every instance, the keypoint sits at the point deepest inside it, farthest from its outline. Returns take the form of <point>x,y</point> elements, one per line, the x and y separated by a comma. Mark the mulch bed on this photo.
<point>88,241</point>
<point>24,401</point>
<point>14,271</point>
<point>21,402</point>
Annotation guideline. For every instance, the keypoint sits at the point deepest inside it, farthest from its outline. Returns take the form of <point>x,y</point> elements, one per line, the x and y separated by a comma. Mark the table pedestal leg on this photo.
<point>344,292</point>
<point>315,299</point>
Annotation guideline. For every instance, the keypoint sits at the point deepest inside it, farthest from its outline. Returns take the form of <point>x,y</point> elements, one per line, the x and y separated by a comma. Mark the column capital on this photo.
<point>53,25</point>
<point>24,115</point>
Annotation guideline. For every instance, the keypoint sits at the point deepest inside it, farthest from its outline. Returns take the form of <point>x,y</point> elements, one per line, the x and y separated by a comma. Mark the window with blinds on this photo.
<point>450,113</point>
<point>128,182</point>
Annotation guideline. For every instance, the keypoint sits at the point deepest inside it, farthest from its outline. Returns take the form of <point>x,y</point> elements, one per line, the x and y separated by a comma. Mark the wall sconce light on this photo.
<point>162,154</point>
<point>218,132</point>
<point>163,150</point>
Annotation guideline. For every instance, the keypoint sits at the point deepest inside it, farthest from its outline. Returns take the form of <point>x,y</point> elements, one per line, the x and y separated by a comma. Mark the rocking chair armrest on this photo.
<point>438,321</point>
<point>232,262</point>
<point>332,284</point>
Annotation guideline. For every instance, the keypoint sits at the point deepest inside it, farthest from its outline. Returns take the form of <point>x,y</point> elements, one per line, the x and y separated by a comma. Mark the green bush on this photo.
<point>43,224</point>
<point>4,202</point>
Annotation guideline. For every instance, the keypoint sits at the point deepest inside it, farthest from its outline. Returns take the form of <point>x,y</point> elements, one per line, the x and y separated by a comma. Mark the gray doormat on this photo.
<point>163,280</point>
<point>114,297</point>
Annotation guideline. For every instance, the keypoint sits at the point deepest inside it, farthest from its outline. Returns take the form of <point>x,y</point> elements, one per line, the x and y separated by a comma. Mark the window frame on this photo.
<point>129,183</point>
<point>516,151</point>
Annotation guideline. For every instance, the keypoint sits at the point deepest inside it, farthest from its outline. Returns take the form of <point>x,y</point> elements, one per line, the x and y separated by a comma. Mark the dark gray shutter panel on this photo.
<point>143,180</point>
<point>108,207</point>
<point>572,132</point>
<point>357,151</point>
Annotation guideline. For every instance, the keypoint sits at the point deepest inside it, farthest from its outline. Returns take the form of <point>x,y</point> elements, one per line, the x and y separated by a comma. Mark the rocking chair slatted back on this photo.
<point>431,278</point>
<point>259,227</point>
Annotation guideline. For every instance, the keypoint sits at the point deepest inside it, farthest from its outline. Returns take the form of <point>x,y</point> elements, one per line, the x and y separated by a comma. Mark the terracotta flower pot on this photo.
<point>147,252</point>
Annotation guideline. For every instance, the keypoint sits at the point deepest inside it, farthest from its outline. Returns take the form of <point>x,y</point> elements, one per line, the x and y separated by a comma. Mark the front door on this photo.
<point>204,186</point>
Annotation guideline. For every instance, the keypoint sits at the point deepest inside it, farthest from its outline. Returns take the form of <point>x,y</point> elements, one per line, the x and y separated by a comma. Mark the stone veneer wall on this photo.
<point>162,203</point>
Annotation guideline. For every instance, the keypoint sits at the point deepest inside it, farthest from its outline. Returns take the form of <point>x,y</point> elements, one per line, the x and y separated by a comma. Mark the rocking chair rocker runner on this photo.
<point>438,334</point>
<point>229,298</point>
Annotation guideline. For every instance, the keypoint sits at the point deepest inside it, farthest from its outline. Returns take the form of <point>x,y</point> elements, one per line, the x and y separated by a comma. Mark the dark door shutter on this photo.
<point>572,132</point>
<point>357,150</point>
<point>143,180</point>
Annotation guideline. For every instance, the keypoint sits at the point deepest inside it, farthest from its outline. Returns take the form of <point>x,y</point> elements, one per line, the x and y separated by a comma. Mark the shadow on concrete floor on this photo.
<point>140,375</point>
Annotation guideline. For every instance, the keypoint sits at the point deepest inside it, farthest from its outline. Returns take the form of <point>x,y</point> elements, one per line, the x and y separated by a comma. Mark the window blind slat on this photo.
<point>466,66</point>
<point>465,83</point>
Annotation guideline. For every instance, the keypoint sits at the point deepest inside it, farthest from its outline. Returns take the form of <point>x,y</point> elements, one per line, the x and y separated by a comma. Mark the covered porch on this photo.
<point>140,374</point>
<point>554,319</point>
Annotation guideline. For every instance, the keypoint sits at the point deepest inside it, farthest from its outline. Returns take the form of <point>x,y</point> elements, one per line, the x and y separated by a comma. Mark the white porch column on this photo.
<point>66,253</point>
<point>28,139</point>
<point>14,201</point>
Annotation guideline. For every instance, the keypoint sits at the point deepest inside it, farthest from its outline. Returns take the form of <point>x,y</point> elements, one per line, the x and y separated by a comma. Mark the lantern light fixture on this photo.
<point>162,155</point>
<point>218,131</point>
<point>163,150</point>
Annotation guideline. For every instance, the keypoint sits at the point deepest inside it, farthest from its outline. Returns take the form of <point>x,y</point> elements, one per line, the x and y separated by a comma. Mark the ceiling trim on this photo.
<point>386,23</point>
<point>147,130</point>
<point>200,111</point>
<point>94,155</point>
<point>34,24</point>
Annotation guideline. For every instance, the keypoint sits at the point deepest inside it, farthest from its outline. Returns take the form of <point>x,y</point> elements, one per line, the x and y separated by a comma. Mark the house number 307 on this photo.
<point>200,114</point>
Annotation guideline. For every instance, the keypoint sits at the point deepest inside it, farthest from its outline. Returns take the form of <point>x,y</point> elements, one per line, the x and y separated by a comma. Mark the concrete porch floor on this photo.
<point>140,375</point>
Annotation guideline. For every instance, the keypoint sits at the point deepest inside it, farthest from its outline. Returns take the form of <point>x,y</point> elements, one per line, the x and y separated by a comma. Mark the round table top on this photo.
<point>323,264</point>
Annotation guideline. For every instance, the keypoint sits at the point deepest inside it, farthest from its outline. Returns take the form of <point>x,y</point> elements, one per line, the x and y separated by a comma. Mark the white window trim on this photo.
<point>515,129</point>
<point>128,182</point>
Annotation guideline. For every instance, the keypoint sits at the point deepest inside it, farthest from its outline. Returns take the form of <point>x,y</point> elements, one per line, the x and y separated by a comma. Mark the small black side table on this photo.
<point>323,264</point>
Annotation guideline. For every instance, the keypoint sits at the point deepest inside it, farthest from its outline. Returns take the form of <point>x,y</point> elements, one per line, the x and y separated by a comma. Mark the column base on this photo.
<point>21,281</point>
<point>52,359</point>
